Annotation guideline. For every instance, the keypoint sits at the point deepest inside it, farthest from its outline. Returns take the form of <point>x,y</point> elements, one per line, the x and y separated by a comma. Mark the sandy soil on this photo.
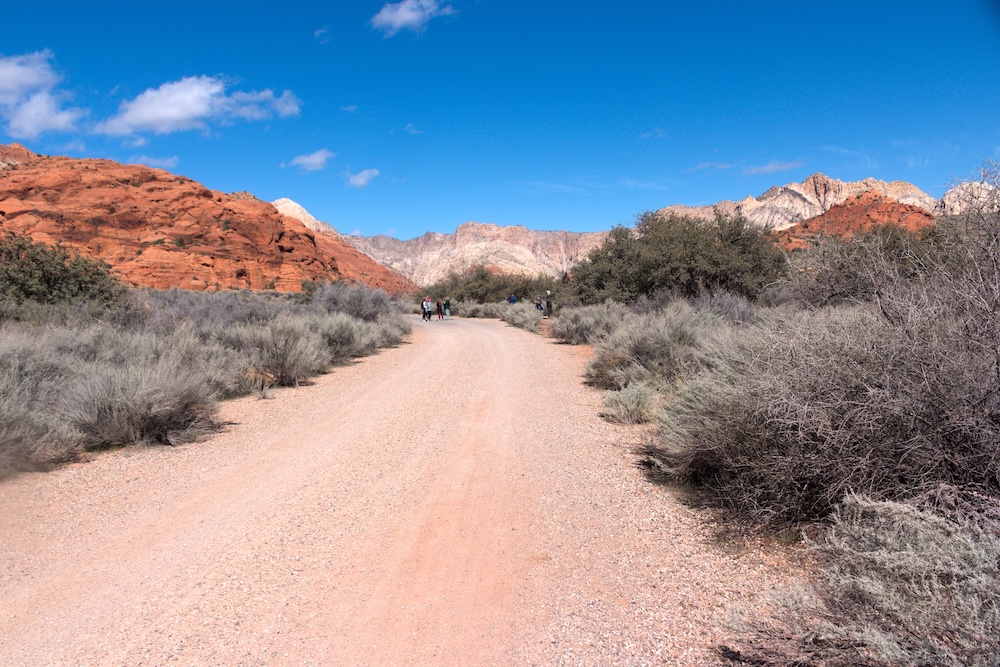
<point>453,501</point>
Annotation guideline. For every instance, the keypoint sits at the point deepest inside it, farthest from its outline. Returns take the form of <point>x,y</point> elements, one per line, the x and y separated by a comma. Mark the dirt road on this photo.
<point>453,501</point>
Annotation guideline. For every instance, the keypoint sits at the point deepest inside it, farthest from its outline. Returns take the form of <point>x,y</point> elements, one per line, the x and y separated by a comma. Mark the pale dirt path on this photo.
<point>454,501</point>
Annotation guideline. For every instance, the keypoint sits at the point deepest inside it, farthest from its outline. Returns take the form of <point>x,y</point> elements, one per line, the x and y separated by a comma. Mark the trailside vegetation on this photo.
<point>859,400</point>
<point>151,367</point>
<point>680,255</point>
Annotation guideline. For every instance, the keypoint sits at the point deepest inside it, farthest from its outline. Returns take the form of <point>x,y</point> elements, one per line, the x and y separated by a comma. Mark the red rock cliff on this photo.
<point>157,229</point>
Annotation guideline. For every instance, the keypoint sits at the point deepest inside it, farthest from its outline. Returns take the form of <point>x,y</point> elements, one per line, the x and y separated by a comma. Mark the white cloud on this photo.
<point>323,35</point>
<point>41,113</point>
<point>160,162</point>
<point>350,108</point>
<point>313,161</point>
<point>191,103</point>
<point>28,100</point>
<point>772,167</point>
<point>408,14</point>
<point>412,129</point>
<point>655,133</point>
<point>362,179</point>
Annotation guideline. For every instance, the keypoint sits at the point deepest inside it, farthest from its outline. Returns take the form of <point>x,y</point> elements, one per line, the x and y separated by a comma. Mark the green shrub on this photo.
<point>684,256</point>
<point>493,310</point>
<point>31,271</point>
<point>480,285</point>
<point>587,324</point>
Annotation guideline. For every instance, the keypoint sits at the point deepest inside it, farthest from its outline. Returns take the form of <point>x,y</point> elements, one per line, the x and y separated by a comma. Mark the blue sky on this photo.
<point>404,117</point>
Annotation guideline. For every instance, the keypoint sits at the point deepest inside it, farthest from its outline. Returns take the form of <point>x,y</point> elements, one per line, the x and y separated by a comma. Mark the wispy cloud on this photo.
<point>772,167</point>
<point>711,166</point>
<point>559,188</point>
<point>655,133</point>
<point>314,161</point>
<point>408,15</point>
<point>191,104</point>
<point>29,101</point>
<point>631,184</point>
<point>322,35</point>
<point>411,129</point>
<point>349,108</point>
<point>159,162</point>
<point>361,179</point>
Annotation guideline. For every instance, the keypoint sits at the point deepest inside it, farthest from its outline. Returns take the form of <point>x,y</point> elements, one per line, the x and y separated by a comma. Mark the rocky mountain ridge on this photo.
<point>513,249</point>
<point>784,205</point>
<point>157,229</point>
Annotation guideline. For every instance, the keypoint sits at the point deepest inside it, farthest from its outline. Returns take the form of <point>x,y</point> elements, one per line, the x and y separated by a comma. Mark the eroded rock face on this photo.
<point>156,229</point>
<point>295,210</point>
<point>513,250</point>
<point>785,205</point>
<point>858,214</point>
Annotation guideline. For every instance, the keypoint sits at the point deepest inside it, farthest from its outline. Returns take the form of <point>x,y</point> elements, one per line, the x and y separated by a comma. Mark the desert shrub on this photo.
<point>630,405</point>
<point>31,271</point>
<point>523,316</point>
<point>729,307</point>
<point>587,324</point>
<point>814,406</point>
<point>225,308</point>
<point>493,310</point>
<point>658,349</point>
<point>345,337</point>
<point>163,403</point>
<point>359,301</point>
<point>896,586</point>
<point>681,255</point>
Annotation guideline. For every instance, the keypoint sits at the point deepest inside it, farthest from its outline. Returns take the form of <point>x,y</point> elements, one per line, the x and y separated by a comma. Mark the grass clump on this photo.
<point>630,405</point>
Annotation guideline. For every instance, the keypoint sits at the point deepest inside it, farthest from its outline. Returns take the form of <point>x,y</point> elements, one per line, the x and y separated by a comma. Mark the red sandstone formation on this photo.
<point>856,215</point>
<point>156,229</point>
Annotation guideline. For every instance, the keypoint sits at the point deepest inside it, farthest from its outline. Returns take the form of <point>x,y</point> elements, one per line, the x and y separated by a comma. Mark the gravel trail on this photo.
<point>453,501</point>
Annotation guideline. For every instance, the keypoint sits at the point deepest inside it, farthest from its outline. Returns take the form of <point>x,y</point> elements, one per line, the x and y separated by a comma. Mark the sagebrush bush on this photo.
<point>631,405</point>
<point>358,301</point>
<point>896,586</point>
<point>587,324</point>
<point>523,316</point>
<point>658,349</point>
<point>490,310</point>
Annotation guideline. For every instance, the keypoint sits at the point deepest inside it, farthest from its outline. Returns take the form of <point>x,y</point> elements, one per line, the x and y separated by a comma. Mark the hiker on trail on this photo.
<point>440,310</point>
<point>512,299</point>
<point>426,308</point>
<point>538,303</point>
<point>548,303</point>
<point>447,308</point>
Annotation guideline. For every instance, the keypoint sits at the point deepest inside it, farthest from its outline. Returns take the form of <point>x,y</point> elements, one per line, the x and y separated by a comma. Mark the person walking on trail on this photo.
<point>512,299</point>
<point>440,310</point>
<point>548,303</point>
<point>426,307</point>
<point>447,308</point>
<point>538,303</point>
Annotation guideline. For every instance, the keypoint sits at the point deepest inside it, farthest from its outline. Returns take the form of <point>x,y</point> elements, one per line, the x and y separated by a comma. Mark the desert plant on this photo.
<point>681,255</point>
<point>32,271</point>
<point>631,405</point>
<point>523,316</point>
<point>587,324</point>
<point>492,310</point>
<point>659,349</point>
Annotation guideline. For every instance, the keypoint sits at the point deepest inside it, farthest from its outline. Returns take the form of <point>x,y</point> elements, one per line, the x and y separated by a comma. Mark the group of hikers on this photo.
<point>428,308</point>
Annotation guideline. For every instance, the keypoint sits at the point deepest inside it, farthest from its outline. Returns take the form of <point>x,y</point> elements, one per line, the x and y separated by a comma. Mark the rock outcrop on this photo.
<point>514,250</point>
<point>785,205</point>
<point>965,196</point>
<point>295,210</point>
<point>858,214</point>
<point>157,229</point>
